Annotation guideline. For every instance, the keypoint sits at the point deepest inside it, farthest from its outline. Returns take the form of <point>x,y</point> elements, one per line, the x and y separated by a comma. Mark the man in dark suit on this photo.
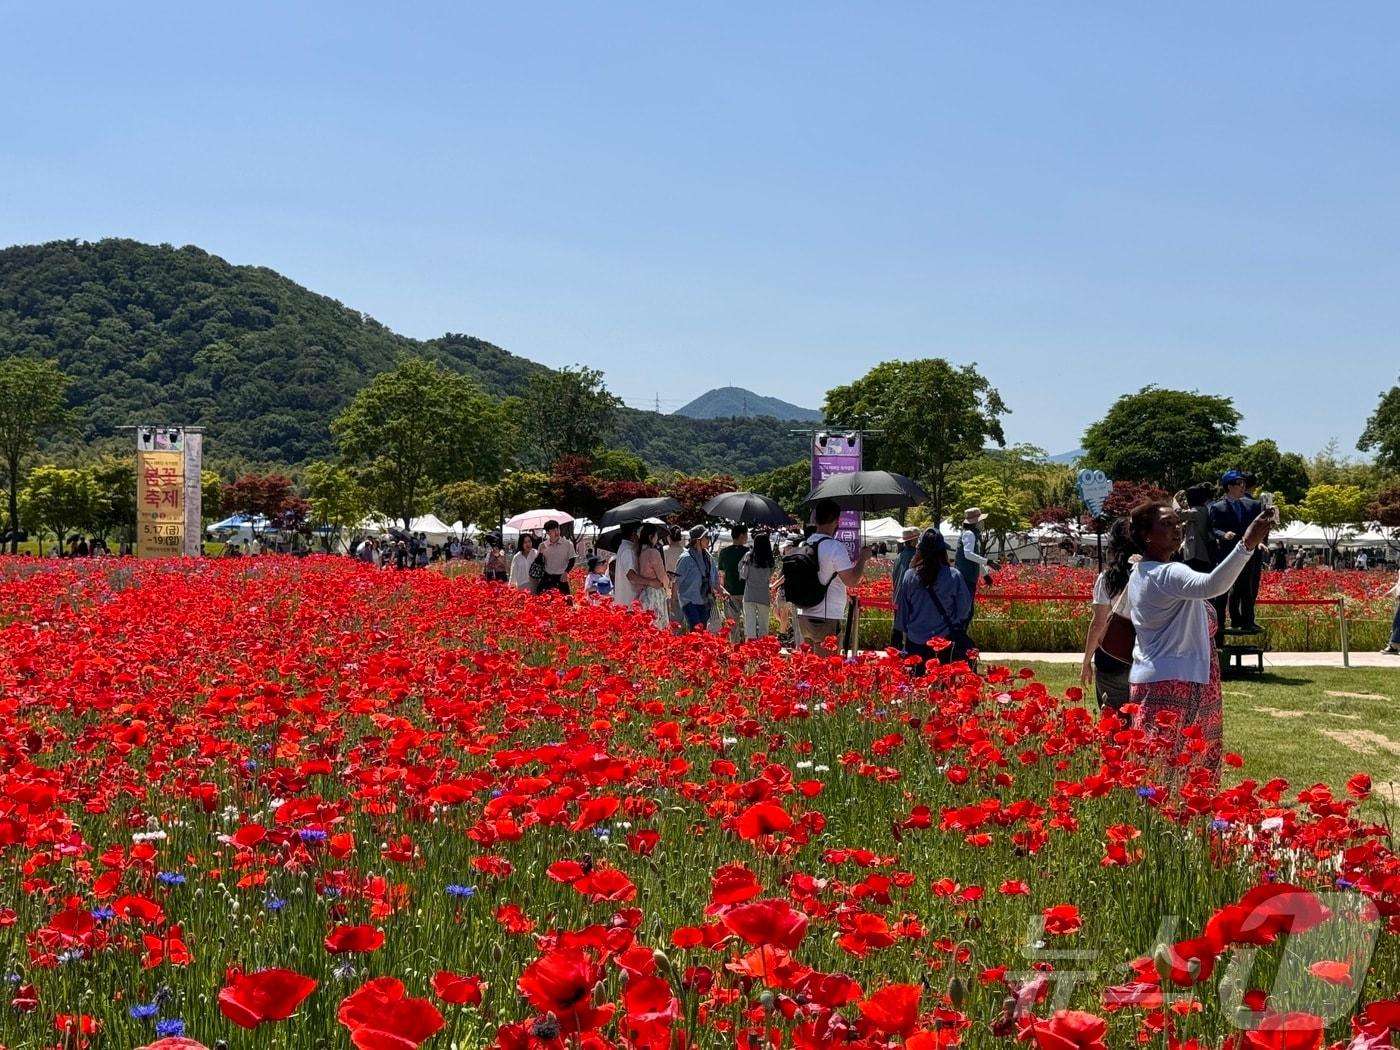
<point>1229,517</point>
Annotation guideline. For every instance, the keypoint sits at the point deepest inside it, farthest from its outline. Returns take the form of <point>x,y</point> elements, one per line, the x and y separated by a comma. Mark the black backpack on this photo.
<point>802,584</point>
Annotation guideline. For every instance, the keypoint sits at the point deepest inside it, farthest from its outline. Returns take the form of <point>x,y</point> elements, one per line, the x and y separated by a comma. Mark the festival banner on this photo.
<point>160,504</point>
<point>839,454</point>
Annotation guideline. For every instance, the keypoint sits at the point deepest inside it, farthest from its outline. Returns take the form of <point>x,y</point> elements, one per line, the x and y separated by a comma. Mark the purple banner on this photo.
<point>838,454</point>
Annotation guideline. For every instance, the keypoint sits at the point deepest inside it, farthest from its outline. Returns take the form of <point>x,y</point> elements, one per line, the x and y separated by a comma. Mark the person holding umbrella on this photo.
<point>835,572</point>
<point>729,560</point>
<point>558,556</point>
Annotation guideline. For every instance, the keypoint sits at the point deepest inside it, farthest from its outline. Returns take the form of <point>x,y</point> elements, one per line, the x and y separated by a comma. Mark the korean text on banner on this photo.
<point>160,504</point>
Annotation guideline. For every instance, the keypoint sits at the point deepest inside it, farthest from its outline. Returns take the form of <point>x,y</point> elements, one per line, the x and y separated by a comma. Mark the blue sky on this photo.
<point>1082,198</point>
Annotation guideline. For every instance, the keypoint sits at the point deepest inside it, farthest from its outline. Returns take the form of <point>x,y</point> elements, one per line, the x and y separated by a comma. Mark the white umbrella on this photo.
<point>535,519</point>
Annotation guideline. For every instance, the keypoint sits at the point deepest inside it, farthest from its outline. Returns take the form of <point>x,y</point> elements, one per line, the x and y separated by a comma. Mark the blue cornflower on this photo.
<point>1219,825</point>
<point>312,835</point>
<point>1344,884</point>
<point>170,878</point>
<point>72,955</point>
<point>276,904</point>
<point>170,1026</point>
<point>249,765</point>
<point>142,1011</point>
<point>1145,792</point>
<point>461,891</point>
<point>331,892</point>
<point>601,833</point>
<point>103,914</point>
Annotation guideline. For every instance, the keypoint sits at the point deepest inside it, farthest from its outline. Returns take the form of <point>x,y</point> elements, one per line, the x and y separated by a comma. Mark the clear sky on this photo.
<point>1082,198</point>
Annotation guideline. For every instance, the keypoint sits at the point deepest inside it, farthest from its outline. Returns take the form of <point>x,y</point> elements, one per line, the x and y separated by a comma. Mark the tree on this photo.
<point>32,394</point>
<point>1382,431</point>
<point>61,499</point>
<point>335,499</point>
<point>930,413</point>
<point>1385,509</point>
<point>568,412</point>
<point>473,502</point>
<point>1330,467</point>
<point>1003,511</point>
<point>787,486</point>
<point>115,478</point>
<point>263,496</point>
<point>418,426</point>
<point>694,493</point>
<point>1024,473</point>
<point>1162,436</point>
<point>1333,508</point>
<point>1125,496</point>
<point>613,464</point>
<point>1282,473</point>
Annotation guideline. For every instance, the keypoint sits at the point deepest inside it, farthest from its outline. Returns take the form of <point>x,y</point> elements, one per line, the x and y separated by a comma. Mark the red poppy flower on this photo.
<point>249,1000</point>
<point>354,939</point>
<point>763,818</point>
<point>1062,919</point>
<point>453,988</point>
<point>174,1042</point>
<point>381,1017</point>
<point>1068,1030</point>
<point>1291,1031</point>
<point>559,981</point>
<point>894,1009</point>
<point>773,922</point>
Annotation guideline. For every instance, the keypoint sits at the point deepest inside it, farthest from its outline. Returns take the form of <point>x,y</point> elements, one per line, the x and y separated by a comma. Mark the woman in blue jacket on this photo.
<point>933,602</point>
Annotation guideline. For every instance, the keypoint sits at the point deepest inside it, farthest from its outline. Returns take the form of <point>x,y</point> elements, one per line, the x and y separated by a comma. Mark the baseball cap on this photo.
<point>1231,477</point>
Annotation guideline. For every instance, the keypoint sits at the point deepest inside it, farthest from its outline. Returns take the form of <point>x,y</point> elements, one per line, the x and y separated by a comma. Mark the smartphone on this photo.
<point>1266,504</point>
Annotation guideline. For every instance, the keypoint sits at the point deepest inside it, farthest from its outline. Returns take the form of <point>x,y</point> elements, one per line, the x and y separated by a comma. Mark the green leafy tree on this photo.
<point>115,478</point>
<point>473,502</point>
<point>522,490</point>
<point>32,395</point>
<point>61,500</point>
<point>335,498</point>
<point>1282,473</point>
<point>568,412</point>
<point>211,494</point>
<point>787,486</point>
<point>1382,433</point>
<point>613,464</point>
<point>1024,472</point>
<point>1385,510</point>
<point>1164,437</point>
<point>417,427</point>
<point>931,414</point>
<point>1334,509</point>
<point>1003,510</point>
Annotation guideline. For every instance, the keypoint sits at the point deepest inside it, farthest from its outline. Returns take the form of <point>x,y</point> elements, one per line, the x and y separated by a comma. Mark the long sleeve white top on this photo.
<point>969,548</point>
<point>1167,599</point>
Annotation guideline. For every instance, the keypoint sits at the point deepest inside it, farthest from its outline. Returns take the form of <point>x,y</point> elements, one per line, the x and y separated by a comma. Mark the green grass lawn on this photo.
<point>1307,724</point>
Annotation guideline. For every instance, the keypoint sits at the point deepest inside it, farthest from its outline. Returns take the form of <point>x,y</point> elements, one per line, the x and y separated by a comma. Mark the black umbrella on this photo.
<point>867,490</point>
<point>638,509</point>
<point>747,508</point>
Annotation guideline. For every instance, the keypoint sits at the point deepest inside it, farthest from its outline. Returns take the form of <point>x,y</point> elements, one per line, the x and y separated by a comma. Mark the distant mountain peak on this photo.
<point>734,401</point>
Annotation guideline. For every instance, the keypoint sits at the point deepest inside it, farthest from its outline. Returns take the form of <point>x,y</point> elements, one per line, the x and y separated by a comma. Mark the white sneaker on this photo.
<point>1390,650</point>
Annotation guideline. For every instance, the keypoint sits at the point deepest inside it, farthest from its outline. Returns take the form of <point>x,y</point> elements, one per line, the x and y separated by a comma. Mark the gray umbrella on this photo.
<point>747,508</point>
<point>868,490</point>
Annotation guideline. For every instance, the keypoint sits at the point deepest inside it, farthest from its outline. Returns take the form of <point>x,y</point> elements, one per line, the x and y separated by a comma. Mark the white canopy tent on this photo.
<point>434,529</point>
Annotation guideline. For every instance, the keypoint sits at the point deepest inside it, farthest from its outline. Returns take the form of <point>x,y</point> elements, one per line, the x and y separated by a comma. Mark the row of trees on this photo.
<point>422,436</point>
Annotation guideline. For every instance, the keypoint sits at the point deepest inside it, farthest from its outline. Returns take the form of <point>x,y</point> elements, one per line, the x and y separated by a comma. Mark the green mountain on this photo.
<point>736,402</point>
<point>153,333</point>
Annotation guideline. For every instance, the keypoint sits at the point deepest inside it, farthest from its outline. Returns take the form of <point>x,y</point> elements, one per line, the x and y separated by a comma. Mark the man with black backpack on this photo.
<point>816,574</point>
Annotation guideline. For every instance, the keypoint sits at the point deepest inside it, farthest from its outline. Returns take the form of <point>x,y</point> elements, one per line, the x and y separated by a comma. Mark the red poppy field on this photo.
<point>299,803</point>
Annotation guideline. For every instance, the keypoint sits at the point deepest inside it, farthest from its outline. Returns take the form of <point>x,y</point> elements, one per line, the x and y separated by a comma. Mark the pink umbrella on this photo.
<point>535,519</point>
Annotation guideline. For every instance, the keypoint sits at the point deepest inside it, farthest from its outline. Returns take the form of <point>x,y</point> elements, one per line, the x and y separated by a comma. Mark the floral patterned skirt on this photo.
<point>1166,710</point>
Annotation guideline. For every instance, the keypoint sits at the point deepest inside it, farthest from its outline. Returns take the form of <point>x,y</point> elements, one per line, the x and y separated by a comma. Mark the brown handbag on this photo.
<point>1120,635</point>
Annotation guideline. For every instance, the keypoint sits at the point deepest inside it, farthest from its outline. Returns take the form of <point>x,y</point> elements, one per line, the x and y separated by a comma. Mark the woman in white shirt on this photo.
<point>1175,679</point>
<point>520,562</point>
<point>1105,668</point>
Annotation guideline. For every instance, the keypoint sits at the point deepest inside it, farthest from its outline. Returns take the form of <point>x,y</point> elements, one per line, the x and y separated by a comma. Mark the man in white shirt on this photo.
<point>558,555</point>
<point>835,569</point>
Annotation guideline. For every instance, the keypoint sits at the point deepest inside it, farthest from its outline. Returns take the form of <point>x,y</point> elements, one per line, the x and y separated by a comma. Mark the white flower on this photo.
<point>1271,824</point>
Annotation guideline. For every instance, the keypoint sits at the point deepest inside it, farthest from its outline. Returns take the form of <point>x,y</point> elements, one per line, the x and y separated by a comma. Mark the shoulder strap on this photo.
<point>938,604</point>
<point>815,541</point>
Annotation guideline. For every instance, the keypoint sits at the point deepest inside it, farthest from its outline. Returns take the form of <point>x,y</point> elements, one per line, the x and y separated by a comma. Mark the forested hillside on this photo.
<point>162,334</point>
